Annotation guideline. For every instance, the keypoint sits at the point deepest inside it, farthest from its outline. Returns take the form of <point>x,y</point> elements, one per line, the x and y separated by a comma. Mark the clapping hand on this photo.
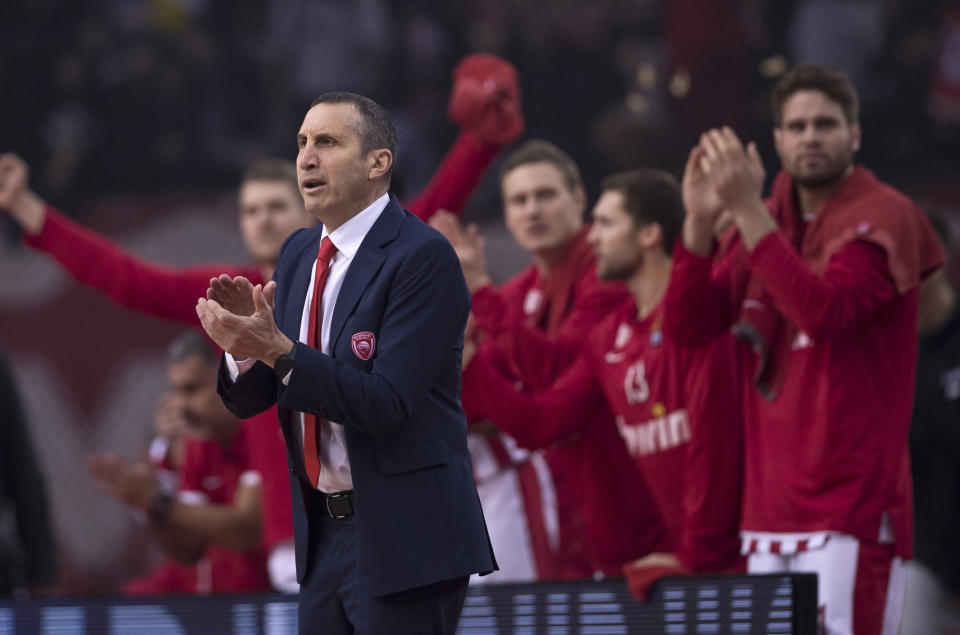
<point>233,294</point>
<point>131,482</point>
<point>469,245</point>
<point>736,174</point>
<point>238,316</point>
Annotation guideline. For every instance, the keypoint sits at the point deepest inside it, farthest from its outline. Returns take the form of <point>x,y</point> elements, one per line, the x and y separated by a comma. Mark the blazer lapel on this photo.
<point>365,266</point>
<point>293,312</point>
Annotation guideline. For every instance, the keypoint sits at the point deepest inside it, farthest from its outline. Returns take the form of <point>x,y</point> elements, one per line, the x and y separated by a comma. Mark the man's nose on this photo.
<point>810,135</point>
<point>592,238</point>
<point>531,208</point>
<point>308,158</point>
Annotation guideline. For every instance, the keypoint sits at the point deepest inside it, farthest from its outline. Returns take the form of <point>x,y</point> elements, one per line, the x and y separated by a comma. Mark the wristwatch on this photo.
<point>159,507</point>
<point>284,364</point>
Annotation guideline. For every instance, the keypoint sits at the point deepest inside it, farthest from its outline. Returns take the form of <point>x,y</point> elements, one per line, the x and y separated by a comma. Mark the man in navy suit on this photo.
<point>358,339</point>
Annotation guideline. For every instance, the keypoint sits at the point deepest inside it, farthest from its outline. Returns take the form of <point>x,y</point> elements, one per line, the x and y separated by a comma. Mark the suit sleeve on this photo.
<point>697,305</point>
<point>848,293</point>
<point>533,420</point>
<point>420,332</point>
<point>252,393</point>
<point>712,488</point>
<point>158,290</point>
<point>455,179</point>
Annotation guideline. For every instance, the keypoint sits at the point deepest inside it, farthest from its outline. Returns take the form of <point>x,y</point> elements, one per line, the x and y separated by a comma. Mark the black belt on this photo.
<point>337,505</point>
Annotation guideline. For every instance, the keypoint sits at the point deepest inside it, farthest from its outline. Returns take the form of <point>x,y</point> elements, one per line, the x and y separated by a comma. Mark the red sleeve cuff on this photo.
<point>51,222</point>
<point>682,255</point>
<point>769,251</point>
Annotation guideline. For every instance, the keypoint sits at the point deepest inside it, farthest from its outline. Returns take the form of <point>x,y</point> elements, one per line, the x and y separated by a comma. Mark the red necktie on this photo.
<point>311,423</point>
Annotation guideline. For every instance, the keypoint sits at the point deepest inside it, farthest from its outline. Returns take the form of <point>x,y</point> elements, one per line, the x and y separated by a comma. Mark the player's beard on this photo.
<point>832,173</point>
<point>619,270</point>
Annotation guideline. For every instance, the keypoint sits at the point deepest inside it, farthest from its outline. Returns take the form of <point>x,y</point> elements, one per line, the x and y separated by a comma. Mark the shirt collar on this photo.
<point>347,237</point>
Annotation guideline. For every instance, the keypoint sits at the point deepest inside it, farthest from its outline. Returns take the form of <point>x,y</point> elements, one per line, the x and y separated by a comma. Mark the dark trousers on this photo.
<point>334,599</point>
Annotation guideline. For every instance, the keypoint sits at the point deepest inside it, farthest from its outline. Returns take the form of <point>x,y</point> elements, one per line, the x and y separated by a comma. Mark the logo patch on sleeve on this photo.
<point>363,344</point>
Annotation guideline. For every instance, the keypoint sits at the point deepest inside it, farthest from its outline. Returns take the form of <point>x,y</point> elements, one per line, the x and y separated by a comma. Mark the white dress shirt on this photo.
<point>335,473</point>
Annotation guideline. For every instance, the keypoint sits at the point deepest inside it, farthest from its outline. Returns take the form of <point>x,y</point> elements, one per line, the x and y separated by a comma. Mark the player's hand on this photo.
<point>26,208</point>
<point>132,482</point>
<point>736,173</point>
<point>233,294</point>
<point>255,335</point>
<point>659,559</point>
<point>699,197</point>
<point>169,421</point>
<point>469,245</point>
<point>701,203</point>
<point>485,99</point>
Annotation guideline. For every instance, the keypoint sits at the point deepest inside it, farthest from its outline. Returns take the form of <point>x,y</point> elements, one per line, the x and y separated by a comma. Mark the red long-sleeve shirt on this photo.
<point>676,413</point>
<point>522,348</point>
<point>211,474</point>
<point>828,453</point>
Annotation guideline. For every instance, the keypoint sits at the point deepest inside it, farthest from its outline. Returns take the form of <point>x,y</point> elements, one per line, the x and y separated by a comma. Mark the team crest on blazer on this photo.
<point>363,344</point>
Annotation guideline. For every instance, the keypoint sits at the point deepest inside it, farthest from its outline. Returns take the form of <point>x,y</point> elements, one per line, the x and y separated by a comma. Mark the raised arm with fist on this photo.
<point>25,207</point>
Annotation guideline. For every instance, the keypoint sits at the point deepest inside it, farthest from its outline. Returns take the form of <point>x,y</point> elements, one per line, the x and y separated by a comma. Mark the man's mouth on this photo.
<point>312,185</point>
<point>537,230</point>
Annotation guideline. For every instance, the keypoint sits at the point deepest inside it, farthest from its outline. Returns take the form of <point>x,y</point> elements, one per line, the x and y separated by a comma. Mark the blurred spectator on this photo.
<point>27,550</point>
<point>547,306</point>
<point>820,284</point>
<point>932,602</point>
<point>677,411</point>
<point>214,520</point>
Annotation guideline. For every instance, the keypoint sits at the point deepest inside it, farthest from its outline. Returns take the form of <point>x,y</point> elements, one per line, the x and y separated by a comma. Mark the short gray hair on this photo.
<point>188,344</point>
<point>376,129</point>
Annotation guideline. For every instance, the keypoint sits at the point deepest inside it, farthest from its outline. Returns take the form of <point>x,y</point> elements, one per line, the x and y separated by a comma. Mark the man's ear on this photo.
<point>650,235</point>
<point>379,162</point>
<point>580,196</point>
<point>855,133</point>
<point>777,140</point>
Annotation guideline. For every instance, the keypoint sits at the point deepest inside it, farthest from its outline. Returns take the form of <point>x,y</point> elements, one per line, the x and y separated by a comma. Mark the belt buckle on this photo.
<point>336,496</point>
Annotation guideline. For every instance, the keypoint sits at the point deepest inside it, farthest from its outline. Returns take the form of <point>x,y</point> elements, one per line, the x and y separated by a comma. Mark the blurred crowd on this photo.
<point>154,95</point>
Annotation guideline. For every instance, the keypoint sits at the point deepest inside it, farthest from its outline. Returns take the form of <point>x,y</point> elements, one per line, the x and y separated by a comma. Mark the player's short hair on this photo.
<point>272,169</point>
<point>189,344</point>
<point>650,196</point>
<point>541,151</point>
<point>375,125</point>
<point>831,81</point>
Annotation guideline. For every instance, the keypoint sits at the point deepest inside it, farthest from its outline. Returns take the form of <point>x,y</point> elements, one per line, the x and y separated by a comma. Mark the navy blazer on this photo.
<point>418,515</point>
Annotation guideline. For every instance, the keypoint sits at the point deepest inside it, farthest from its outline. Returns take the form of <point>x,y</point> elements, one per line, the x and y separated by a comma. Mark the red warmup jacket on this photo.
<point>835,306</point>
<point>211,474</point>
<point>533,327</point>
<point>171,293</point>
<point>677,416</point>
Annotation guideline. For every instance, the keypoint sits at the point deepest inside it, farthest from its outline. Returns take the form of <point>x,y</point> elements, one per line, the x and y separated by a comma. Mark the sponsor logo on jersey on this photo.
<point>800,341</point>
<point>635,384</point>
<point>657,435</point>
<point>531,303</point>
<point>619,341</point>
